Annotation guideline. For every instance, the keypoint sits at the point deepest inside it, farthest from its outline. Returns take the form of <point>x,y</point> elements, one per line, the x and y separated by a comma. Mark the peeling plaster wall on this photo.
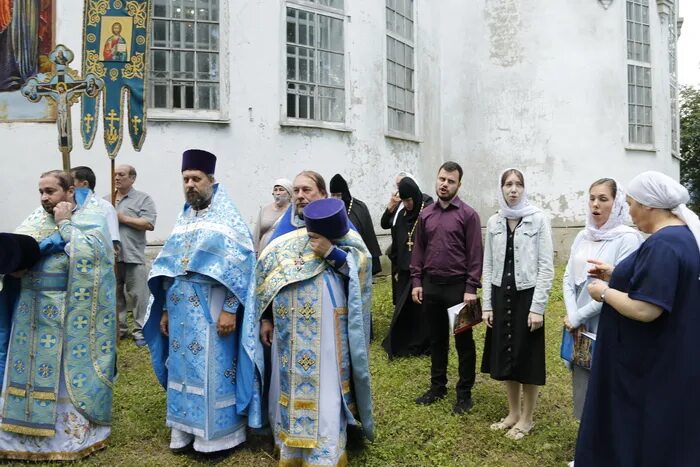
<point>253,149</point>
<point>542,85</point>
<point>536,84</point>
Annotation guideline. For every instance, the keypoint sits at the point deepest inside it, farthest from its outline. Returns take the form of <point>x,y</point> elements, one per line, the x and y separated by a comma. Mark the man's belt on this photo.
<point>446,280</point>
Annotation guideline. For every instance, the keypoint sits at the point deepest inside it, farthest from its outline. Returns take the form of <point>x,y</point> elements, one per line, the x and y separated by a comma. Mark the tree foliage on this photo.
<point>690,143</point>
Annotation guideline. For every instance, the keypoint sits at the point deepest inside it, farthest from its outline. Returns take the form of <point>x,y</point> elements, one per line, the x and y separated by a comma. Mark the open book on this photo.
<point>464,316</point>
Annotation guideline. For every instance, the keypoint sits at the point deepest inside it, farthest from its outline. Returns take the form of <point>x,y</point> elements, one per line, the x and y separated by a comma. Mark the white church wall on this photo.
<point>535,84</point>
<point>542,85</point>
<point>253,148</point>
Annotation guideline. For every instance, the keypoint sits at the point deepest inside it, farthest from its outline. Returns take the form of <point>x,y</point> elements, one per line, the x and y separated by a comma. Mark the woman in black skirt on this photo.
<point>518,274</point>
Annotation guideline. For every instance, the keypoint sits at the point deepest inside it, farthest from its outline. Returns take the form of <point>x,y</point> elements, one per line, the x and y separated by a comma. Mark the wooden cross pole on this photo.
<point>64,87</point>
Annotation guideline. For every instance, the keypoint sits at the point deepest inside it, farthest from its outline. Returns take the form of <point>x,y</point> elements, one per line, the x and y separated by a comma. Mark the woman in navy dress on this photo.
<point>643,403</point>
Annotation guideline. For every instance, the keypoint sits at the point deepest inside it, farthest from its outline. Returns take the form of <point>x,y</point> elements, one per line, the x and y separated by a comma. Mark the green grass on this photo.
<point>406,434</point>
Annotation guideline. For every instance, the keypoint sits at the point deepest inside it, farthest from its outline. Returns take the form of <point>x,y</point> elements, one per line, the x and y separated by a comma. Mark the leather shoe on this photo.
<point>462,406</point>
<point>431,396</point>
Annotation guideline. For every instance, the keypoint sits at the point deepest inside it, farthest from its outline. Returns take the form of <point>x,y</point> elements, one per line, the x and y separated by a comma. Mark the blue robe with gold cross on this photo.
<point>292,278</point>
<point>62,324</point>
<point>208,251</point>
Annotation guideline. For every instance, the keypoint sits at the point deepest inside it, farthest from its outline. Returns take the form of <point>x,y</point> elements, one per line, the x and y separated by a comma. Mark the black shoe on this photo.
<point>431,396</point>
<point>462,406</point>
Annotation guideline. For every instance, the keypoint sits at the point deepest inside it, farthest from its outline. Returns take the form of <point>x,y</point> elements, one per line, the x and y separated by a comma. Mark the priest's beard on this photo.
<point>48,205</point>
<point>199,200</point>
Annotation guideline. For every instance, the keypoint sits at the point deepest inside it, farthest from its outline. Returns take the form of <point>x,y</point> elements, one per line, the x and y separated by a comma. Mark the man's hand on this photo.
<point>469,297</point>
<point>164,324</point>
<point>63,211</point>
<point>226,323</point>
<point>535,321</point>
<point>487,318</point>
<point>319,244</point>
<point>417,295</point>
<point>266,329</point>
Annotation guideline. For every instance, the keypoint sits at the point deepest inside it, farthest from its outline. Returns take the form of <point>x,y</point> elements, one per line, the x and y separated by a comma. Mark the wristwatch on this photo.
<point>602,295</point>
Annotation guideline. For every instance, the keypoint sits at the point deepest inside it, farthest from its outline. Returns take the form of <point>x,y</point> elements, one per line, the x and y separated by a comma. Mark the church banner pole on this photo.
<point>65,153</point>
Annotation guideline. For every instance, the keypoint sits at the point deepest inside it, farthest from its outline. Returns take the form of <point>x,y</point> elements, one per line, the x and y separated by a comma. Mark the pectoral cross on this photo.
<point>409,244</point>
<point>64,87</point>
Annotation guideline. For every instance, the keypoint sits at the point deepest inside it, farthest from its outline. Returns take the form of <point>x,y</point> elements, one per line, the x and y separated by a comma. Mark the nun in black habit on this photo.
<point>360,218</point>
<point>408,333</point>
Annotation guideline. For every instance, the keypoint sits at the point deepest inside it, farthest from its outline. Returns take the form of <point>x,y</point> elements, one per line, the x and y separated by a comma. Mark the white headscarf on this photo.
<point>615,225</point>
<point>286,184</point>
<point>522,209</point>
<point>657,190</point>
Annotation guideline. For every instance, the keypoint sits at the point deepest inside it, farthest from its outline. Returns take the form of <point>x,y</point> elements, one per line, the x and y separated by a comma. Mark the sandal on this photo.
<point>516,434</point>
<point>501,425</point>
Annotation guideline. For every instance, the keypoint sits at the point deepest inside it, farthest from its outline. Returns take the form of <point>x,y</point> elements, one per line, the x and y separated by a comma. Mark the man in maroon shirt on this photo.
<point>446,270</point>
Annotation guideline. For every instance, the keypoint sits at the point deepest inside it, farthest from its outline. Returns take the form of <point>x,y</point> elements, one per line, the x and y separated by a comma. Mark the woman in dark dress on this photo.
<point>408,334</point>
<point>642,406</point>
<point>518,274</point>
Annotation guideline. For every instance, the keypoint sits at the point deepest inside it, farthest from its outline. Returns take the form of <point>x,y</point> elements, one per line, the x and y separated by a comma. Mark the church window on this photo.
<point>400,66</point>
<point>640,121</point>
<point>315,51</point>
<point>186,66</point>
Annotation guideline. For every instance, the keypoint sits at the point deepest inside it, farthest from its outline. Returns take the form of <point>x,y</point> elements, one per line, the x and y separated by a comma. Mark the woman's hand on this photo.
<point>600,270</point>
<point>487,318</point>
<point>535,321</point>
<point>569,327</point>
<point>596,289</point>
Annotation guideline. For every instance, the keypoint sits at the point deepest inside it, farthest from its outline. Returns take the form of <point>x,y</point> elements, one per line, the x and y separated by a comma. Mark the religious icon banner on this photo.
<point>26,40</point>
<point>115,48</point>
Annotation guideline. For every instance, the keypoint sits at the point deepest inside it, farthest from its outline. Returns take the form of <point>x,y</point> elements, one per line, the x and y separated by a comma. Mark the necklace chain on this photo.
<point>409,243</point>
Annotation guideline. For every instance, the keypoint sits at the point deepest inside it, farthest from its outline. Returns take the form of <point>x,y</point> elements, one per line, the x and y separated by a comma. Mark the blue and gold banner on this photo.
<point>115,48</point>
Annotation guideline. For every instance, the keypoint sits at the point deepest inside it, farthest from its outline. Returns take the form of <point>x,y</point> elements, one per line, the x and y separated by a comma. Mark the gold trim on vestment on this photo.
<point>52,456</point>
<point>43,396</point>
<point>305,405</point>
<point>25,430</point>
<point>292,442</point>
<point>299,462</point>
<point>284,400</point>
<point>13,391</point>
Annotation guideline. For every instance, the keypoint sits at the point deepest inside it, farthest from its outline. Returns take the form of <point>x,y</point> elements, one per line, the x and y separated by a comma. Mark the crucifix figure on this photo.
<point>64,87</point>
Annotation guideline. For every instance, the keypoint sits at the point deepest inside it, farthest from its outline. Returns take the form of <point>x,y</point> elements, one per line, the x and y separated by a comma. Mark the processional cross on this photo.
<point>64,87</point>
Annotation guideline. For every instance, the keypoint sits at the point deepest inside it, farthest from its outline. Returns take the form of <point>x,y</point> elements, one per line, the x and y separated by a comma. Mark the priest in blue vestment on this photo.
<point>57,330</point>
<point>199,285</point>
<point>311,304</point>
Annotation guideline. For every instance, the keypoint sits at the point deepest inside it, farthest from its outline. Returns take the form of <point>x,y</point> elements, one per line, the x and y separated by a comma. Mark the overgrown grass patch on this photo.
<point>406,434</point>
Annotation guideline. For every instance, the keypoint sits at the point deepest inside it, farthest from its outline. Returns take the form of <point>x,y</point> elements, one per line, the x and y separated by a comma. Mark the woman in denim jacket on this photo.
<point>518,273</point>
<point>605,238</point>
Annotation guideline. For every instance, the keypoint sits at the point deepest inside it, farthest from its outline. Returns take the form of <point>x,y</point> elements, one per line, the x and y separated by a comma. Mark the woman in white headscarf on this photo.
<point>608,239</point>
<point>268,216</point>
<point>642,406</point>
<point>518,274</point>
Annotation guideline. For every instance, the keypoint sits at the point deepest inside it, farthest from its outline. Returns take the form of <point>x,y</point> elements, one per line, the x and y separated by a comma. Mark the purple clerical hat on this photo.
<point>198,159</point>
<point>17,252</point>
<point>327,217</point>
